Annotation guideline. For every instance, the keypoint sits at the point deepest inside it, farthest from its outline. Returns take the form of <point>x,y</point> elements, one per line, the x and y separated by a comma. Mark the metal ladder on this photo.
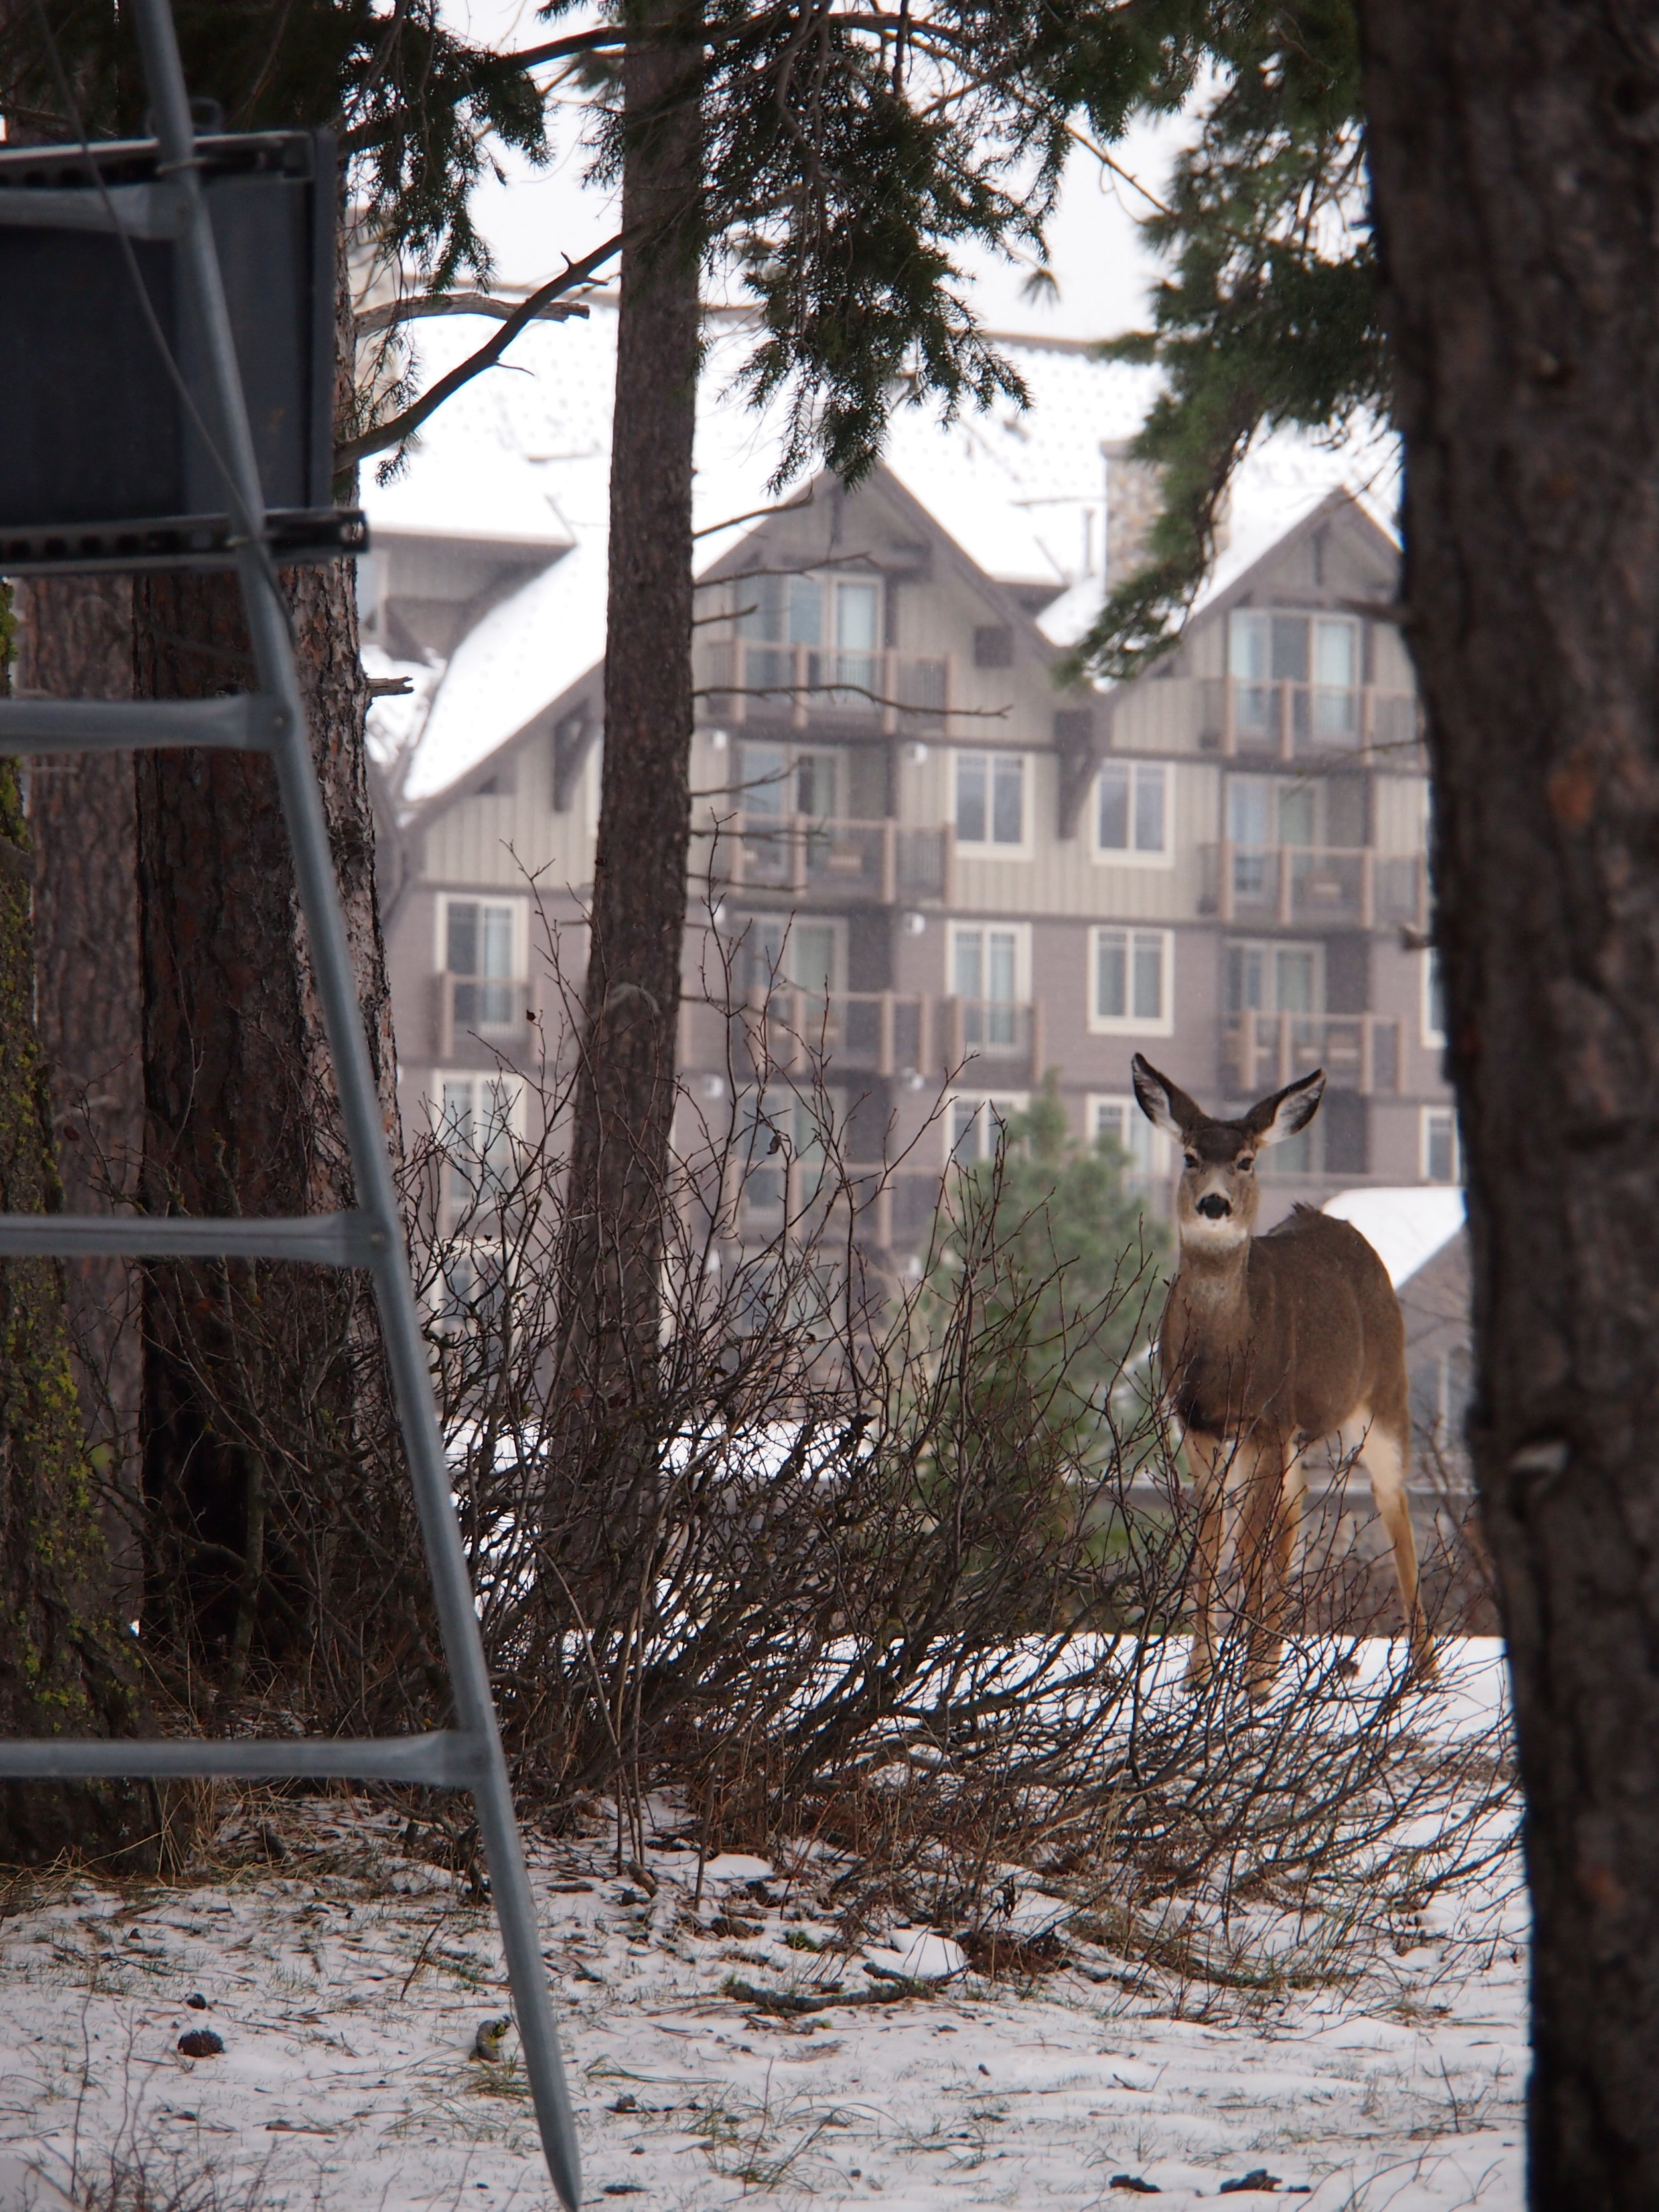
<point>468,1755</point>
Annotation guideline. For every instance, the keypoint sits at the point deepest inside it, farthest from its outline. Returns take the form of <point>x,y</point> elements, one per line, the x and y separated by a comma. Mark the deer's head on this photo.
<point>1217,1202</point>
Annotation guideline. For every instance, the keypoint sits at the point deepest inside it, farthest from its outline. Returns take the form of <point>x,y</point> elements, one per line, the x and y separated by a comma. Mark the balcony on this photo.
<point>841,863</point>
<point>743,681</point>
<point>488,1010</point>
<point>1297,721</point>
<point>870,1033</point>
<point>1359,1052</point>
<point>1314,886</point>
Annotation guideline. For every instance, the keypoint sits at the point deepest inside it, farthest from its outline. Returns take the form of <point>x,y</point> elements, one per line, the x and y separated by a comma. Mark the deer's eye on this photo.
<point>1191,1160</point>
<point>1245,1164</point>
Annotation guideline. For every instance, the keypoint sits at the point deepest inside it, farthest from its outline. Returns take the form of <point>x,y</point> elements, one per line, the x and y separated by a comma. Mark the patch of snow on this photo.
<point>521,656</point>
<point>348,1979</point>
<point>1406,1227</point>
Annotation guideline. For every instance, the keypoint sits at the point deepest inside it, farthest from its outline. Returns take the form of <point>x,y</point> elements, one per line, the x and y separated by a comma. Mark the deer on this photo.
<point>1270,1345</point>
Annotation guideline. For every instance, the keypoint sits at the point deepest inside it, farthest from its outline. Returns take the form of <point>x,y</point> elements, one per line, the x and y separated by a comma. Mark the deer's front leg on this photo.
<point>1274,1486</point>
<point>1209,1458</point>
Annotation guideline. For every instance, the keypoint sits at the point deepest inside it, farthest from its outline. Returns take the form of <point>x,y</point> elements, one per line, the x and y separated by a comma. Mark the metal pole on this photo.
<point>308,827</point>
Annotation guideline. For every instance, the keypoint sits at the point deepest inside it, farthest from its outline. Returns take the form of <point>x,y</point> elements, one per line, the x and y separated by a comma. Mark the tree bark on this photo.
<point>75,641</point>
<point>285,1559</point>
<point>624,1100</point>
<point>67,1665</point>
<point>1514,157</point>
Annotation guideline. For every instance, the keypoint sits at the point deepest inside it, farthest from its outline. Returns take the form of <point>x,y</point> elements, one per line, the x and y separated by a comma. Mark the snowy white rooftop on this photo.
<point>523,454</point>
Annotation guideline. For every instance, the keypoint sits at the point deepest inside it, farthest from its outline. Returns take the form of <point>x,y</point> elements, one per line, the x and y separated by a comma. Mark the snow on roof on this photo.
<point>1405,1227</point>
<point>520,658</point>
<point>524,451</point>
<point>1280,482</point>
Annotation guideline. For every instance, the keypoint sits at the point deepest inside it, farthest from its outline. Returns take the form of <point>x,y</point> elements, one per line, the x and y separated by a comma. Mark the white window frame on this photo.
<point>1004,1104</point>
<point>1152,1157</point>
<point>520,911</point>
<point>743,933</point>
<point>508,1080</point>
<point>1117,856</point>
<point>988,847</point>
<point>1428,1116</point>
<point>1270,948</point>
<point>1021,934</point>
<point>1130,1025</point>
<point>1434,1037</point>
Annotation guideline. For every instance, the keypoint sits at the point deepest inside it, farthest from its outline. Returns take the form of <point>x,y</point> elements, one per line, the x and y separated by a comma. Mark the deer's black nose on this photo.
<point>1214,1208</point>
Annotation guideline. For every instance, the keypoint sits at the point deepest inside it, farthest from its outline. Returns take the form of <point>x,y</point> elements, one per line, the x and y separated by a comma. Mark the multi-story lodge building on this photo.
<point>920,864</point>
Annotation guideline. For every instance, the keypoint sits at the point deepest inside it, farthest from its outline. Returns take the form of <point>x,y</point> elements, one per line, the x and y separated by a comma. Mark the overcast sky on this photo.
<point>538,216</point>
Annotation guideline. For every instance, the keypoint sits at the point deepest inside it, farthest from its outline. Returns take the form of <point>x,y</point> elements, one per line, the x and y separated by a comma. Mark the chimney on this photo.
<point>1134,492</point>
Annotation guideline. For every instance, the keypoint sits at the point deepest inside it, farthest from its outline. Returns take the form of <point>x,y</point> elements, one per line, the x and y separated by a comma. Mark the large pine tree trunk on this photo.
<point>1516,164</point>
<point>75,641</point>
<point>625,1103</point>
<point>284,1556</point>
<point>67,1664</point>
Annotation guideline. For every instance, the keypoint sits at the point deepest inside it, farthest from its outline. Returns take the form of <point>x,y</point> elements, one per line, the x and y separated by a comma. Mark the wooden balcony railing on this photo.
<point>1314,886</point>
<point>862,863</point>
<point>870,1033</point>
<point>800,682</point>
<point>1359,1052</point>
<point>1291,721</point>
<point>492,1010</point>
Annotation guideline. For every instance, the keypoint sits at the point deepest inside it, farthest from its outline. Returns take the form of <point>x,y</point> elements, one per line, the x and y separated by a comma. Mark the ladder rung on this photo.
<point>247,723</point>
<point>445,1758</point>
<point>330,1240</point>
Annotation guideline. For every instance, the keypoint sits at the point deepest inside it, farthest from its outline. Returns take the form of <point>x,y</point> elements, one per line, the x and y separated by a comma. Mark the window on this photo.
<point>1134,974</point>
<point>1434,1003</point>
<point>779,953</point>
<point>1121,1120</point>
<point>973,1125</point>
<point>1131,810</point>
<point>774,780</point>
<point>483,945</point>
<point>1442,1153</point>
<point>780,1128</point>
<point>991,800</point>
<point>1275,979</point>
<point>989,970</point>
<point>841,612</point>
<point>470,1290</point>
<point>480,1124</point>
<point>1318,655</point>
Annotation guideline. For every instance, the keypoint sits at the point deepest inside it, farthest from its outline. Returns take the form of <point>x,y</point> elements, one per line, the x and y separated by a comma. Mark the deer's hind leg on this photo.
<point>1210,1459</point>
<point>1383,1452</point>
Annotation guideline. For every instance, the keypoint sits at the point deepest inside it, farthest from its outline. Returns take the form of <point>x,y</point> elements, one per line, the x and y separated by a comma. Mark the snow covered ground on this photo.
<point>346,1976</point>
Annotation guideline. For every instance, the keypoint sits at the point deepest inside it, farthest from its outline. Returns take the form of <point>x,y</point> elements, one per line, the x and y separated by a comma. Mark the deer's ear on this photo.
<point>1270,1120</point>
<point>1163,1103</point>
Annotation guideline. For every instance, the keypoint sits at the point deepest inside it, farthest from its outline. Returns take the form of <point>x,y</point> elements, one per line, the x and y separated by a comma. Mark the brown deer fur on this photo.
<point>1269,1345</point>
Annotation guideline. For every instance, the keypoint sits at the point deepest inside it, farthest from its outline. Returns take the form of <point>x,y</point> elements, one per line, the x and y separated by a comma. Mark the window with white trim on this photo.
<point>1318,655</point>
<point>990,970</point>
<point>1434,1003</point>
<point>1133,805</point>
<point>1442,1156</point>
<point>484,945</point>
<point>1131,983</point>
<point>1120,1120</point>
<point>1269,977</point>
<point>780,951</point>
<point>478,1118</point>
<point>990,802</point>
<point>974,1124</point>
<point>842,613</point>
